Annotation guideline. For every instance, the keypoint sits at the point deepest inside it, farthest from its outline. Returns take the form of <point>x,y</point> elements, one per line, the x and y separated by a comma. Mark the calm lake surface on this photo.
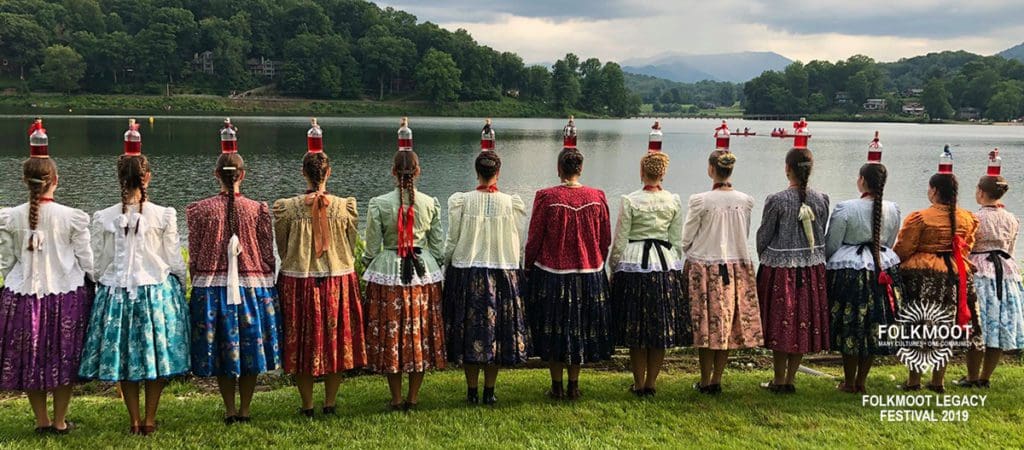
<point>183,150</point>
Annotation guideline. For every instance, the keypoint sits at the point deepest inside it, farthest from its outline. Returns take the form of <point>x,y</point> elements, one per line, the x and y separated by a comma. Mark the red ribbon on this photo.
<point>963,314</point>
<point>652,187</point>
<point>491,188</point>
<point>720,185</point>
<point>321,231</point>
<point>885,280</point>
<point>406,236</point>
<point>36,126</point>
<point>865,195</point>
<point>45,199</point>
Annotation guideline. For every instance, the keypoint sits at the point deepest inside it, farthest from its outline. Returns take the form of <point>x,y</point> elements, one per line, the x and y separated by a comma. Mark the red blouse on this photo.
<point>208,237</point>
<point>570,230</point>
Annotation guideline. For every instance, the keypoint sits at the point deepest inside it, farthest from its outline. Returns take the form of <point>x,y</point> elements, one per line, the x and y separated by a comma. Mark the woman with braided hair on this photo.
<point>569,306</point>
<point>648,297</point>
<point>791,285</point>
<point>234,302</point>
<point>404,248</point>
<point>321,308</point>
<point>484,314</point>
<point>934,245</point>
<point>139,329</point>
<point>864,285</point>
<point>45,261</point>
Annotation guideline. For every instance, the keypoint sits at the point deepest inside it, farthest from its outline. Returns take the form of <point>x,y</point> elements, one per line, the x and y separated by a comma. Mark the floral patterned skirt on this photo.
<point>322,324</point>
<point>651,309</point>
<point>859,307</point>
<point>569,316</point>
<point>404,328</point>
<point>139,339</point>
<point>485,316</point>
<point>234,340</point>
<point>794,308</point>
<point>723,305</point>
<point>1002,319</point>
<point>41,339</point>
<point>921,287</point>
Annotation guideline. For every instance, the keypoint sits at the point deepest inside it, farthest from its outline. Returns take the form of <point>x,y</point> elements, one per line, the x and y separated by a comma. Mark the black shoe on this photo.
<point>649,392</point>
<point>770,386</point>
<point>69,426</point>
<point>702,389</point>
<point>409,406</point>
<point>472,396</point>
<point>715,389</point>
<point>573,391</point>
<point>908,387</point>
<point>243,419</point>
<point>44,430</point>
<point>938,389</point>
<point>637,392</point>
<point>489,398</point>
<point>330,410</point>
<point>307,412</point>
<point>230,420</point>
<point>556,392</point>
<point>984,384</point>
<point>965,383</point>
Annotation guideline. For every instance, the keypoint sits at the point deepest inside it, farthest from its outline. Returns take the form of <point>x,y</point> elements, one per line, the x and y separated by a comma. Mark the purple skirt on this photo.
<point>41,339</point>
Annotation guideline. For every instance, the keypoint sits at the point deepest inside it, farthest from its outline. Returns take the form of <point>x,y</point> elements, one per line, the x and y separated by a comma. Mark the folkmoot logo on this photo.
<point>925,335</point>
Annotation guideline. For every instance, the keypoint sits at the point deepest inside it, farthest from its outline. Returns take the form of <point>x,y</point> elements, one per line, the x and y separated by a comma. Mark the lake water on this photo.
<point>183,150</point>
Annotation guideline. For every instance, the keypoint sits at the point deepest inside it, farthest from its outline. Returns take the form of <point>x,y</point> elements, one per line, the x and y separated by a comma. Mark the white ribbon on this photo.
<point>807,216</point>
<point>234,249</point>
<point>135,226</point>
<point>35,239</point>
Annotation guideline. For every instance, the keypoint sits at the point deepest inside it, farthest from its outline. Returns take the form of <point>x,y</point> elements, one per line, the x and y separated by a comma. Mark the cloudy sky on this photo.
<point>543,30</point>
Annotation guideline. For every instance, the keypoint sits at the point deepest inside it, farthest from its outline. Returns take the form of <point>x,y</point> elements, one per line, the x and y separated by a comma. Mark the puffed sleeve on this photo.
<point>352,233</point>
<point>455,203</point>
<point>81,242</point>
<point>769,224</point>
<point>519,208</point>
<point>622,227</point>
<point>102,245</point>
<point>435,235</point>
<point>892,226</point>
<point>836,230</point>
<point>972,228</point>
<point>1013,236</point>
<point>7,245</point>
<point>195,236</point>
<point>675,227</point>
<point>909,236</point>
<point>374,235</point>
<point>692,225</point>
<point>282,225</point>
<point>264,237</point>
<point>172,245</point>
<point>535,237</point>
<point>606,227</point>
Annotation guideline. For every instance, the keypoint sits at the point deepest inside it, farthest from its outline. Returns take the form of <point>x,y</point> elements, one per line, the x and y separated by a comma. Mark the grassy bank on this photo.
<point>207,104</point>
<point>743,417</point>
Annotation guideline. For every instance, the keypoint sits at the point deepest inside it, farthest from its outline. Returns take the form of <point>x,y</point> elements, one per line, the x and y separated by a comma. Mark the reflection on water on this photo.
<point>182,151</point>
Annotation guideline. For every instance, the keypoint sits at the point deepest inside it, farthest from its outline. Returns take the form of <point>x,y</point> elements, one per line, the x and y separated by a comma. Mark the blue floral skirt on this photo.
<point>1002,321</point>
<point>234,340</point>
<point>136,340</point>
<point>570,316</point>
<point>485,316</point>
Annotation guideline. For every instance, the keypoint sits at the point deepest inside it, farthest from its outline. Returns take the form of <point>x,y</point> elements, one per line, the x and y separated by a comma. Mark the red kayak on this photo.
<point>752,133</point>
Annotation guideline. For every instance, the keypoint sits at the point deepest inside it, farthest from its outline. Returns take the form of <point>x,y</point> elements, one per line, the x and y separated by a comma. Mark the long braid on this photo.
<point>800,161</point>
<point>39,175</point>
<point>131,173</point>
<point>875,177</point>
<point>952,217</point>
<point>230,168</point>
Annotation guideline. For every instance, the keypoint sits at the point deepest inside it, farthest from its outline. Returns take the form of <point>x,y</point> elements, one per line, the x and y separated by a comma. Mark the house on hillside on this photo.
<point>912,92</point>
<point>968,113</point>
<point>874,104</point>
<point>263,67</point>
<point>913,109</point>
<point>842,98</point>
<point>203,62</point>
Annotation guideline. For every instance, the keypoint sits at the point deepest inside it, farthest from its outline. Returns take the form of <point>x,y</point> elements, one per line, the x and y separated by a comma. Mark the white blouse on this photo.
<point>647,221</point>
<point>717,225</point>
<point>484,230</point>
<point>135,249</point>
<point>62,258</point>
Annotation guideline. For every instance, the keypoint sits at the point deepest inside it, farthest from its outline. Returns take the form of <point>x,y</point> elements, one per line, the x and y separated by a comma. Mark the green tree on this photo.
<point>511,72</point>
<point>593,88</point>
<point>62,68</point>
<point>980,88</point>
<point>935,99</point>
<point>565,86</point>
<point>538,83</point>
<point>384,55</point>
<point>1006,103</point>
<point>320,66</point>
<point>22,41</point>
<point>797,80</point>
<point>84,15</point>
<point>439,77</point>
<point>618,99</point>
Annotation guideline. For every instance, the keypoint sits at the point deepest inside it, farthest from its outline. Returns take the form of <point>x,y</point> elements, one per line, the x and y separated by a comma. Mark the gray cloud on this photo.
<point>486,10</point>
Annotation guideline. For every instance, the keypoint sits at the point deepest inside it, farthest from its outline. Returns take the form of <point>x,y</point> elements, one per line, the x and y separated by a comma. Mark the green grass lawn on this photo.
<point>744,416</point>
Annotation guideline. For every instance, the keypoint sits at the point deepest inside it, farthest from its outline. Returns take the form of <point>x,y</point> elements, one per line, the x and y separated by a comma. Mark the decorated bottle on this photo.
<point>800,133</point>
<point>569,134</point>
<point>995,163</point>
<point>875,150</point>
<point>654,139</point>
<point>314,137</point>
<point>38,141</point>
<point>132,139</point>
<point>487,137</point>
<point>404,135</point>
<point>722,136</point>
<point>946,161</point>
<point>228,138</point>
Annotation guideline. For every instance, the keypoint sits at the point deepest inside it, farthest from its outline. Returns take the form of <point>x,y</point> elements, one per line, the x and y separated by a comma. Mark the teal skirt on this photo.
<point>135,340</point>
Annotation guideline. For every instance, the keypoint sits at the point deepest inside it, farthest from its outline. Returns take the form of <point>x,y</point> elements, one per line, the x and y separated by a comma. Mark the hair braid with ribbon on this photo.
<point>875,176</point>
<point>131,174</point>
<point>39,175</point>
<point>947,189</point>
<point>230,168</point>
<point>800,161</point>
<point>406,168</point>
<point>315,167</point>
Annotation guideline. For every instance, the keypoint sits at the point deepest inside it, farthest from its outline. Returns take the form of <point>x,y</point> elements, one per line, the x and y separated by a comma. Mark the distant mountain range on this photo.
<point>734,67</point>
<point>1015,52</point>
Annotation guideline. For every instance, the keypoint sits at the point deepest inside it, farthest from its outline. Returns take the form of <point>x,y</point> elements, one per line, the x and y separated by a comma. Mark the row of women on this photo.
<point>827,279</point>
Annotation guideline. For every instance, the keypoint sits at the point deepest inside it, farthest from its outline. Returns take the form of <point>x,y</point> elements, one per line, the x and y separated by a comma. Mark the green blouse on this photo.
<point>383,266</point>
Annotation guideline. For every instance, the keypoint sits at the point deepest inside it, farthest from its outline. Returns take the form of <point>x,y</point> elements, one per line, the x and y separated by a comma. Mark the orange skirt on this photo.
<point>404,328</point>
<point>322,324</point>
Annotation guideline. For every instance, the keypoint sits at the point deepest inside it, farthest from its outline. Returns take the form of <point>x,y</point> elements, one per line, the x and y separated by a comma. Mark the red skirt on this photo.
<point>794,308</point>
<point>322,324</point>
<point>404,328</point>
